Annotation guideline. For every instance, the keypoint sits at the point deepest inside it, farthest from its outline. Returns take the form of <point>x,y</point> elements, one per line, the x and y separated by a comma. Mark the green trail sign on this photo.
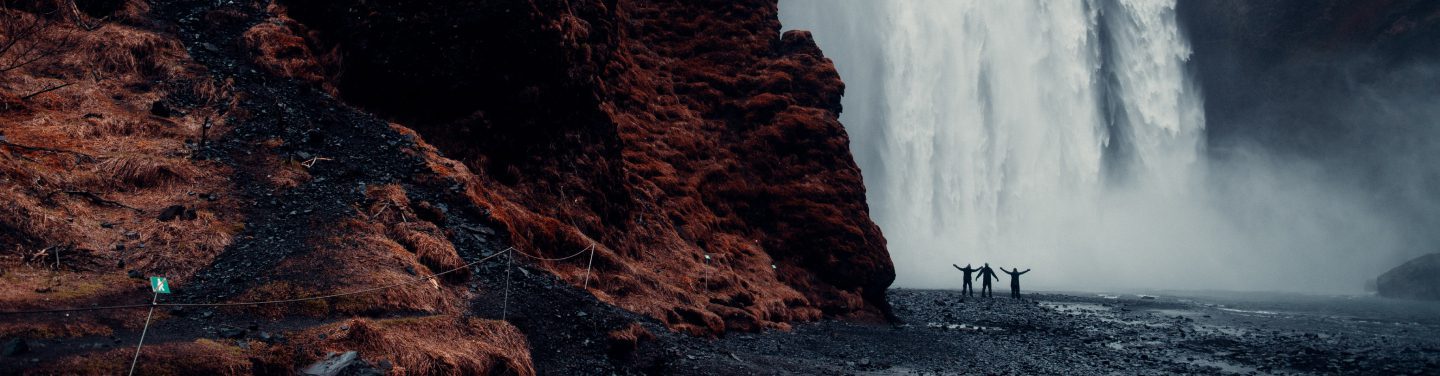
<point>159,285</point>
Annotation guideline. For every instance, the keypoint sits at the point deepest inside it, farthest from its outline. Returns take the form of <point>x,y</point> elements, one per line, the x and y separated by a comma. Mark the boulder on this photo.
<point>1416,279</point>
<point>332,365</point>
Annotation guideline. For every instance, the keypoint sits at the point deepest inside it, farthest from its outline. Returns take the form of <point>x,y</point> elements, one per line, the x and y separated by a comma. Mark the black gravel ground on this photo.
<point>1082,334</point>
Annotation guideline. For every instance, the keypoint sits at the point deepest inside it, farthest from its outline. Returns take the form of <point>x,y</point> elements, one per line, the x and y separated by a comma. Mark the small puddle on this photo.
<point>961,326</point>
<point>1256,312</point>
<point>1100,312</point>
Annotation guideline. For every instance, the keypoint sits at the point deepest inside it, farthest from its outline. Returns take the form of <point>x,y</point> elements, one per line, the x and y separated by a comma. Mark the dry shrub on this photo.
<point>181,247</point>
<point>284,173</point>
<point>276,46</point>
<point>17,227</point>
<point>135,127</point>
<point>387,203</point>
<point>119,50</point>
<point>146,171</point>
<point>625,341</point>
<point>432,345</point>
<point>389,208</point>
<point>434,251</point>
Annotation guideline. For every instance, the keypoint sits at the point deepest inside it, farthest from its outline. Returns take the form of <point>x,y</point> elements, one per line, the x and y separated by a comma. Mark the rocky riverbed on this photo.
<point>1050,333</point>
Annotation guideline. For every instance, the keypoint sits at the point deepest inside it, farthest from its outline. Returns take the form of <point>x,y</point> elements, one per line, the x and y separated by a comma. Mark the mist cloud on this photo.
<point>1269,203</point>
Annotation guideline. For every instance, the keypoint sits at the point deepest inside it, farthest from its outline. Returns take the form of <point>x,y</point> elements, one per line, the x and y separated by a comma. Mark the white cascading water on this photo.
<point>1063,136</point>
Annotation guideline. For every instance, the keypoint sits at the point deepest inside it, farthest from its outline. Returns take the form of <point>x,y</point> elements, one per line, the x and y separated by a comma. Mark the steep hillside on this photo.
<point>663,133</point>
<point>284,151</point>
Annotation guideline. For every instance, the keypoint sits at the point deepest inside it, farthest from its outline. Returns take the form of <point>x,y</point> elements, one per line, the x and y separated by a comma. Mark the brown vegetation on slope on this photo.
<point>88,168</point>
<point>105,179</point>
<point>661,132</point>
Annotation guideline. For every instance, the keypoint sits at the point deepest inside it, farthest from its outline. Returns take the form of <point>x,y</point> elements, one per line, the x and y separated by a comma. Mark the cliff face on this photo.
<point>260,153</point>
<point>660,132</point>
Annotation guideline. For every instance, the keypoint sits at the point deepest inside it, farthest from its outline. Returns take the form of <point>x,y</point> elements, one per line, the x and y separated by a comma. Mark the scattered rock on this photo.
<point>176,211</point>
<point>162,109</point>
<point>332,365</point>
<point>231,332</point>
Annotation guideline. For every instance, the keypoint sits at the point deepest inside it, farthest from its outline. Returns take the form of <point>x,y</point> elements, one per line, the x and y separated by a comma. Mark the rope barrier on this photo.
<point>587,266</point>
<point>60,310</point>
<point>504,310</point>
<point>587,249</point>
<point>505,304</point>
<point>373,289</point>
<point>138,345</point>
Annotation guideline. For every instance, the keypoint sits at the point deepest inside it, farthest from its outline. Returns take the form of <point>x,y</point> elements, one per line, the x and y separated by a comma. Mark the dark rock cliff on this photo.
<point>1416,279</point>
<point>663,132</point>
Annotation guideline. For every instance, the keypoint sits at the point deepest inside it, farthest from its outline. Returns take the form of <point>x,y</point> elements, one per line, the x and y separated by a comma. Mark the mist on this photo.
<point>1080,140</point>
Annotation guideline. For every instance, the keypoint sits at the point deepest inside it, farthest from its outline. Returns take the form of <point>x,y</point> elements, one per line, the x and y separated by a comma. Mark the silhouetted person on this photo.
<point>985,275</point>
<point>1014,281</point>
<point>967,289</point>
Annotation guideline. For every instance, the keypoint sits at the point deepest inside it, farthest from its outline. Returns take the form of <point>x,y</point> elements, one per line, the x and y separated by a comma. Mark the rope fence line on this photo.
<point>509,262</point>
<point>356,292</point>
<point>505,303</point>
<point>141,343</point>
<point>587,249</point>
<point>587,266</point>
<point>505,308</point>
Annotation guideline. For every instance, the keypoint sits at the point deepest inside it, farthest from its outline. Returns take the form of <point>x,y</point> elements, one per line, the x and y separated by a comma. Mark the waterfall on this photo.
<point>992,130</point>
<point>1067,136</point>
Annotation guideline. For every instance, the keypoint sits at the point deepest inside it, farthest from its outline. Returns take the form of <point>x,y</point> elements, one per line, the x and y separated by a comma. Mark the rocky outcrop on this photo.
<point>697,147</point>
<point>1415,279</point>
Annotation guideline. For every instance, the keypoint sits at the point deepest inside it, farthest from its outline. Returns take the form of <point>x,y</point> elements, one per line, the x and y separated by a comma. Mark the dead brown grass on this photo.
<point>277,47</point>
<point>199,357</point>
<point>93,169</point>
<point>681,291</point>
<point>432,345</point>
<point>146,171</point>
<point>361,254</point>
<point>432,249</point>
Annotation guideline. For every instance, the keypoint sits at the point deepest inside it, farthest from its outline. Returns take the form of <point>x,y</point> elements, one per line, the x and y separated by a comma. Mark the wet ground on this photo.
<point>1082,333</point>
